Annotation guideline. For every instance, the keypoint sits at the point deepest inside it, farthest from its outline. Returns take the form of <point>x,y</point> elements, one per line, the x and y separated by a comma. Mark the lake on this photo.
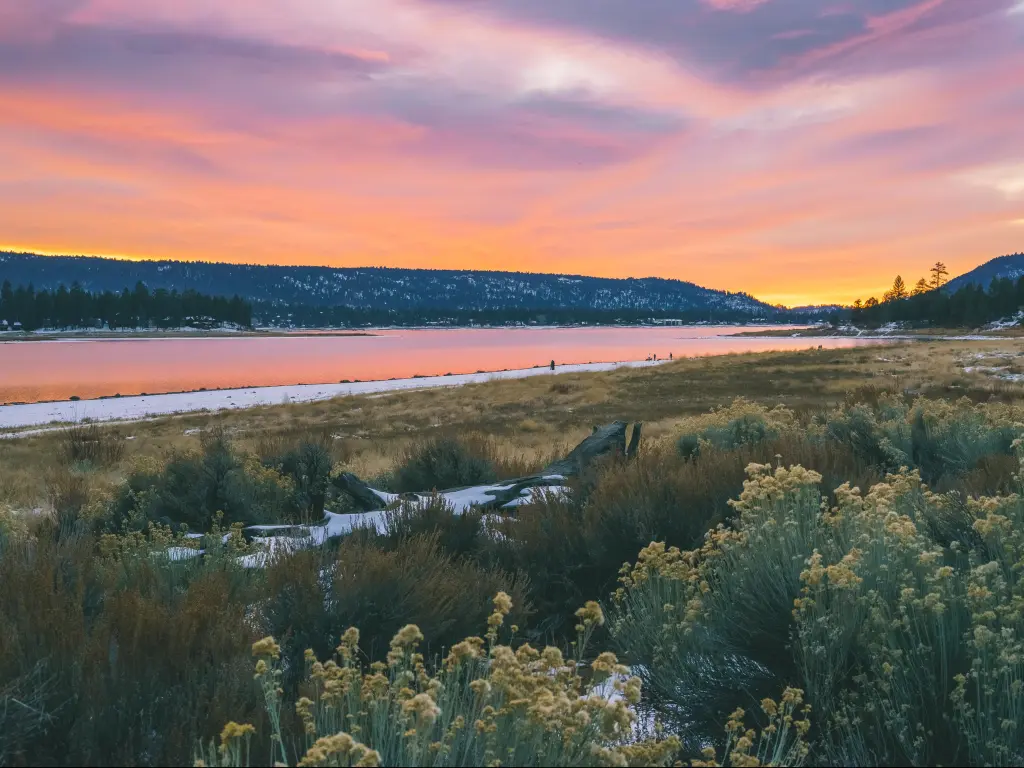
<point>34,371</point>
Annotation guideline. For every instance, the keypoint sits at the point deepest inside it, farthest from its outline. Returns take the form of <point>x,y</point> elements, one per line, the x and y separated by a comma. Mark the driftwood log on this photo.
<point>358,490</point>
<point>609,440</point>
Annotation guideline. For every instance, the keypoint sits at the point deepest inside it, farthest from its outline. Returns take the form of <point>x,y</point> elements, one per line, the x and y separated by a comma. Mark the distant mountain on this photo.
<point>378,288</point>
<point>1011,267</point>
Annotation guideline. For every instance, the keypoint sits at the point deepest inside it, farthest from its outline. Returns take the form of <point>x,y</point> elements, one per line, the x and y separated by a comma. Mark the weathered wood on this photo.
<point>609,439</point>
<point>634,440</point>
<point>359,491</point>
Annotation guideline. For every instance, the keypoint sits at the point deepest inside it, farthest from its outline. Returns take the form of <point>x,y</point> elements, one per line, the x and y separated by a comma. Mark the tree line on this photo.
<point>75,307</point>
<point>340,316</point>
<point>927,305</point>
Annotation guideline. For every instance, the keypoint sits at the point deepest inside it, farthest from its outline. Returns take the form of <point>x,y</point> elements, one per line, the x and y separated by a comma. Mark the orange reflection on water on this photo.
<point>90,368</point>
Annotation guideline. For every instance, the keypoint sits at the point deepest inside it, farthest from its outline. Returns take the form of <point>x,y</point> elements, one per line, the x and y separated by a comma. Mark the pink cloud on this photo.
<point>752,146</point>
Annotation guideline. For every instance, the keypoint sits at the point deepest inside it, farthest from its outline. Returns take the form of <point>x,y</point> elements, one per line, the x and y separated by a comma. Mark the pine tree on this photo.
<point>921,287</point>
<point>898,290</point>
<point>939,273</point>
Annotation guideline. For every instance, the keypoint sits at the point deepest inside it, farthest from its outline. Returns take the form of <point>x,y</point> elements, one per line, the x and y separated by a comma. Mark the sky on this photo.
<point>803,151</point>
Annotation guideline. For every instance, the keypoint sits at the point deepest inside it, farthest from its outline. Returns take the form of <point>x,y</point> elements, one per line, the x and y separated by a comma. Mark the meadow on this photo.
<point>813,559</point>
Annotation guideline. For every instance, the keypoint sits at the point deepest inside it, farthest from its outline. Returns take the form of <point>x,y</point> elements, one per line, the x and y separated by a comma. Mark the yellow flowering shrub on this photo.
<point>897,612</point>
<point>483,704</point>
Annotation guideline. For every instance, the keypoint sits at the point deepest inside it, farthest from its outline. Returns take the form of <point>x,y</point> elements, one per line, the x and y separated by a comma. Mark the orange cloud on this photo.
<point>426,135</point>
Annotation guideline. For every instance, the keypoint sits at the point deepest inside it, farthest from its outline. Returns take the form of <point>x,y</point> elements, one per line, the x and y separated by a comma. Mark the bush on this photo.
<point>517,707</point>
<point>308,465</point>
<point>727,429</point>
<point>443,462</point>
<point>73,513</point>
<point>573,546</point>
<point>944,441</point>
<point>90,444</point>
<point>315,595</point>
<point>891,612</point>
<point>688,445</point>
<point>199,489</point>
<point>457,535</point>
<point>121,658</point>
<point>894,614</point>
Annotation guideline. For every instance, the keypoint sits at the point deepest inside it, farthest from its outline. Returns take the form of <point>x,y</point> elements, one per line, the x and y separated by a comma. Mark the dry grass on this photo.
<point>91,444</point>
<point>530,419</point>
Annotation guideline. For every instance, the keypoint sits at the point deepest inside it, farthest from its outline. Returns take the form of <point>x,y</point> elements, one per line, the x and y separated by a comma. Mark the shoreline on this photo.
<point>941,334</point>
<point>142,407</point>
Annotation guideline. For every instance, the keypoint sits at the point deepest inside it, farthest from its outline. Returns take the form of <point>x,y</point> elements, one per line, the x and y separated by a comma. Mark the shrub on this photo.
<point>308,465</point>
<point>891,611</point>
<point>90,444</point>
<point>12,528</point>
<point>195,489</point>
<point>315,595</point>
<point>443,462</point>
<point>742,423</point>
<point>688,445</point>
<point>880,444</point>
<point>894,614</point>
<point>945,441</point>
<point>72,511</point>
<point>572,546</point>
<point>456,534</point>
<point>122,658</point>
<point>484,704</point>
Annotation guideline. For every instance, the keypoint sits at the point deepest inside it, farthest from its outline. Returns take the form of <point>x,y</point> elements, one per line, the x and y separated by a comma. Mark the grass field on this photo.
<point>534,417</point>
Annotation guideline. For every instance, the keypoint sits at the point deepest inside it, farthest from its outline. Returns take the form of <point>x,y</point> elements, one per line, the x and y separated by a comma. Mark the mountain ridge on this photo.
<point>1010,266</point>
<point>377,287</point>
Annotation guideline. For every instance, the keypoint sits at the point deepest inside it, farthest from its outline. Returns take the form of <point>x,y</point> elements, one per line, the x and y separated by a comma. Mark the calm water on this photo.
<point>32,371</point>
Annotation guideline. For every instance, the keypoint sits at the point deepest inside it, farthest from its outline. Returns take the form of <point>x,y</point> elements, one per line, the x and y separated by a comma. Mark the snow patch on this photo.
<point>183,553</point>
<point>151,406</point>
<point>538,493</point>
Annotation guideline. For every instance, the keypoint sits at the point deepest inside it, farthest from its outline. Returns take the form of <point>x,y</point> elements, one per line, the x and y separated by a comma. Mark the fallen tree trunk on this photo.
<point>634,440</point>
<point>360,492</point>
<point>609,440</point>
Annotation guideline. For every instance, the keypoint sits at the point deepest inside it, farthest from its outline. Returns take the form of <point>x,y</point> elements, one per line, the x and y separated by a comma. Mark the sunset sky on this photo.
<point>804,151</point>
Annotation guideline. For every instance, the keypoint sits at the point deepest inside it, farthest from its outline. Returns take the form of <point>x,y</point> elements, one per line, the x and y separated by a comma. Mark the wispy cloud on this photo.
<point>785,147</point>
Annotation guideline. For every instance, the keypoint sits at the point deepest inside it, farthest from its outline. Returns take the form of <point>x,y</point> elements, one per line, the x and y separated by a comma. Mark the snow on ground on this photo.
<point>1008,322</point>
<point>183,553</point>
<point>335,525</point>
<point>530,495</point>
<point>384,496</point>
<point>985,368</point>
<point>462,500</point>
<point>1000,372</point>
<point>148,406</point>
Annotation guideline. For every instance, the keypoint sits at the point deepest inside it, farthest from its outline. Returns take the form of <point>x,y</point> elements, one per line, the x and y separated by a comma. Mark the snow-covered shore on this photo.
<point>148,406</point>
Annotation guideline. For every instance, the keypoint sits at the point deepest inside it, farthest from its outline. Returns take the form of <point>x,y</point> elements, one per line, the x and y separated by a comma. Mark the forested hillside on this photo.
<point>384,289</point>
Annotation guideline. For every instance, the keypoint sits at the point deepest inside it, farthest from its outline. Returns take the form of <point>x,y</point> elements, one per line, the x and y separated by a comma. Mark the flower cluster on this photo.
<point>480,705</point>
